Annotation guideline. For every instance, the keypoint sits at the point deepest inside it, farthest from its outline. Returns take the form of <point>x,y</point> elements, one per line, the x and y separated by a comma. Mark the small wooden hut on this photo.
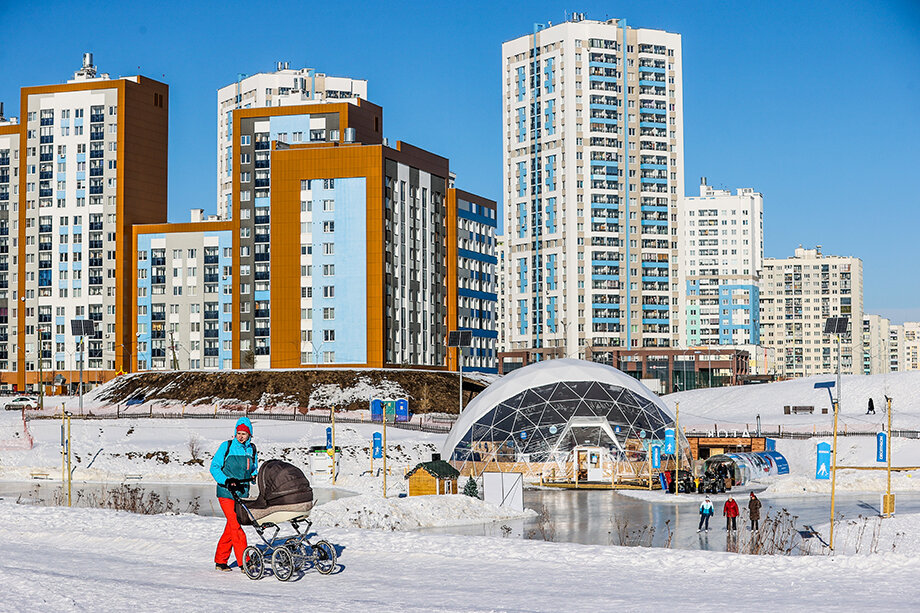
<point>432,478</point>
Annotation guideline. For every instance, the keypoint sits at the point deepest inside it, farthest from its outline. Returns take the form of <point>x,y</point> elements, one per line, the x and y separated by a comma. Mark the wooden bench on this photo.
<point>39,475</point>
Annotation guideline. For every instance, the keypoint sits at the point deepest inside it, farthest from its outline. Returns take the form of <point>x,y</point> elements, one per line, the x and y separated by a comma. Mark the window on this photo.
<point>328,270</point>
<point>328,336</point>
<point>328,248</point>
<point>328,227</point>
<point>328,291</point>
<point>328,313</point>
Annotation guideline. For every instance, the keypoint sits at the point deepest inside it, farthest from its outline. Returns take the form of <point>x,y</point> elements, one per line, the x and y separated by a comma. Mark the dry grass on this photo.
<point>121,498</point>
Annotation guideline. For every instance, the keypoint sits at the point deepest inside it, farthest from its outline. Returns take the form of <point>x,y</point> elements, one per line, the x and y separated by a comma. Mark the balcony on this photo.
<point>263,257</point>
<point>46,139</point>
<point>93,353</point>
<point>94,153</point>
<point>93,317</point>
<point>158,316</point>
<point>262,182</point>
<point>97,118</point>
<point>44,246</point>
<point>45,228</point>
<point>44,264</point>
<point>95,262</point>
<point>158,279</point>
<point>46,157</point>
<point>262,350</point>
<point>262,145</point>
<point>261,238</point>
<point>263,276</point>
<point>96,171</point>
<point>263,332</point>
<point>158,353</point>
<point>4,267</point>
<point>263,312</point>
<point>5,161</point>
<point>212,314</point>
<point>158,334</point>
<point>46,193</point>
<point>47,174</point>
<point>95,280</point>
<point>208,259</point>
<point>211,278</point>
<point>95,244</point>
<point>211,352</point>
<point>212,333</point>
<point>94,189</point>
<point>262,219</point>
<point>262,163</point>
<point>96,135</point>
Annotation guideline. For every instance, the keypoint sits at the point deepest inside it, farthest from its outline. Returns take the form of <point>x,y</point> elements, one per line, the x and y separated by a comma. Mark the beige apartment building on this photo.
<point>797,295</point>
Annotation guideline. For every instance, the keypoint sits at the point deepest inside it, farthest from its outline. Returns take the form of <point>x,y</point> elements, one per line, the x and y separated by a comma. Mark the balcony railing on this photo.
<point>97,118</point>
<point>212,314</point>
<point>263,257</point>
<point>209,259</point>
<point>95,153</point>
<point>96,171</point>
<point>263,312</point>
<point>263,332</point>
<point>211,333</point>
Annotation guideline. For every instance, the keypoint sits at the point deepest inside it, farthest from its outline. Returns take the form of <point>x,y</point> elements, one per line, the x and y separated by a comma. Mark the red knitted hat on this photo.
<point>244,428</point>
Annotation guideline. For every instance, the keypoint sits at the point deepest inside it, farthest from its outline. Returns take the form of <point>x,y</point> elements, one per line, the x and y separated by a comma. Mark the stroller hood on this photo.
<point>280,485</point>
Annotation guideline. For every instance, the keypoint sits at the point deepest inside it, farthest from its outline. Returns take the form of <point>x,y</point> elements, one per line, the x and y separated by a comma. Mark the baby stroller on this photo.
<point>285,495</point>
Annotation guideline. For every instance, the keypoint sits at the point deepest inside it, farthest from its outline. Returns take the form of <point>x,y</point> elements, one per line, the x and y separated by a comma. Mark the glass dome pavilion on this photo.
<point>566,421</point>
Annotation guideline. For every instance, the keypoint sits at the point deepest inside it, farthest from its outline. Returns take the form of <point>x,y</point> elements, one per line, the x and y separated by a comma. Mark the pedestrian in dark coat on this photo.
<point>871,409</point>
<point>754,511</point>
<point>730,510</point>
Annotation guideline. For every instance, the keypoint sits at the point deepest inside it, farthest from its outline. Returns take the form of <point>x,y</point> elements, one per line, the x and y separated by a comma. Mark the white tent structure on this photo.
<point>565,421</point>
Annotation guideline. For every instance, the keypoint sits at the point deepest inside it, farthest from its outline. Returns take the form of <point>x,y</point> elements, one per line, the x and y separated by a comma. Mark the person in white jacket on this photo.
<point>706,511</point>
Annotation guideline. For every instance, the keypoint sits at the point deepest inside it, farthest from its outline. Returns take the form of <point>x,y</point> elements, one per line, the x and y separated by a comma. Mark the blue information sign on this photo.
<point>329,438</point>
<point>524,436</point>
<point>378,445</point>
<point>881,447</point>
<point>656,456</point>
<point>669,440</point>
<point>823,465</point>
<point>402,410</point>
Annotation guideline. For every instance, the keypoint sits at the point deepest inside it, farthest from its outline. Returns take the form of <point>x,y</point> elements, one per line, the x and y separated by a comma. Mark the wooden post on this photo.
<point>834,469</point>
<point>677,447</point>
<point>333,444</point>
<point>888,455</point>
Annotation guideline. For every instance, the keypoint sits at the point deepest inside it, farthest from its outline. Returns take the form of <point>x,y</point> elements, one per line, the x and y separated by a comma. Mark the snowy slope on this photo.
<point>57,559</point>
<point>739,406</point>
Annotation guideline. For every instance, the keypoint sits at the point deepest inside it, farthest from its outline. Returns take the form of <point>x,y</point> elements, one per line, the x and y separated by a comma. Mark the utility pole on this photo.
<point>41,374</point>
<point>172,347</point>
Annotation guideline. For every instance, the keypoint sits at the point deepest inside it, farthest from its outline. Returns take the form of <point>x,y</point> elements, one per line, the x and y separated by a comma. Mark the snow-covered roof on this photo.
<point>538,374</point>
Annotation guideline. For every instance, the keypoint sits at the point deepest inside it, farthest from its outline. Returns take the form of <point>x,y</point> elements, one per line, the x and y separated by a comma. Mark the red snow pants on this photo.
<point>233,537</point>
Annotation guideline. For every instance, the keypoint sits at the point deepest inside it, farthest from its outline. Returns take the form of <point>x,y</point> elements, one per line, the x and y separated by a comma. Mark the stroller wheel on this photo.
<point>283,564</point>
<point>253,563</point>
<point>324,557</point>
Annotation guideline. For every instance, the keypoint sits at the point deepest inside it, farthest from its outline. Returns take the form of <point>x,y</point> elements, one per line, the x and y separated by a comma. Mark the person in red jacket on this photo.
<point>730,510</point>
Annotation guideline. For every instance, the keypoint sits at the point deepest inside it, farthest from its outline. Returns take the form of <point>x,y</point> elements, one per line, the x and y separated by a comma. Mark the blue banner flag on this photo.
<point>329,438</point>
<point>881,447</point>
<point>669,440</point>
<point>656,456</point>
<point>823,465</point>
<point>378,445</point>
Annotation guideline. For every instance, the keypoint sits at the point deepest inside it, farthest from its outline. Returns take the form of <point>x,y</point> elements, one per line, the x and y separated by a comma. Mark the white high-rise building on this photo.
<point>797,295</point>
<point>904,346</point>
<point>721,258</point>
<point>592,152</point>
<point>285,87</point>
<point>876,332</point>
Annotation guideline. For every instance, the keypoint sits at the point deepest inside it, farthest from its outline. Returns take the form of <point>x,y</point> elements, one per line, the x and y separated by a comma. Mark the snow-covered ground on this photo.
<point>58,559</point>
<point>738,407</point>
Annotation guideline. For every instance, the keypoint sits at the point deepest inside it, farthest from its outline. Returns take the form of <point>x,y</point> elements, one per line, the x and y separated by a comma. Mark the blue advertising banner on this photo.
<point>402,410</point>
<point>378,445</point>
<point>669,440</point>
<point>881,447</point>
<point>329,438</point>
<point>823,465</point>
<point>656,456</point>
<point>376,409</point>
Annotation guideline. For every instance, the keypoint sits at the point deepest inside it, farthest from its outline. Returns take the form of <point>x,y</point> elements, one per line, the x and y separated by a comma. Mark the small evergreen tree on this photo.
<point>470,488</point>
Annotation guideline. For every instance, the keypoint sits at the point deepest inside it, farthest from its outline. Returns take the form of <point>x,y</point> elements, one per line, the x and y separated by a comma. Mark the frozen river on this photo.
<point>586,516</point>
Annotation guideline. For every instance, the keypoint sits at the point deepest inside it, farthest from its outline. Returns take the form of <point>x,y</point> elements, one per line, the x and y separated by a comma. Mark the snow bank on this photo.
<point>410,513</point>
<point>89,559</point>
<point>738,407</point>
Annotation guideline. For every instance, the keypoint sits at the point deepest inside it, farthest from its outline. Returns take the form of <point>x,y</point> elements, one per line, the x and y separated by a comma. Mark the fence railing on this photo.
<point>435,428</point>
<point>793,434</point>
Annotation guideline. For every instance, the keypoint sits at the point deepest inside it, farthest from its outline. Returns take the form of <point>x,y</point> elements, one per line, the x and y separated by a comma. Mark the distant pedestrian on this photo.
<point>754,511</point>
<point>706,511</point>
<point>730,510</point>
<point>871,409</point>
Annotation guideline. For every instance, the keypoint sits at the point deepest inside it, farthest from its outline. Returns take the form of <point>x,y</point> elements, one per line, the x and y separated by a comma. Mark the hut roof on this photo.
<point>436,468</point>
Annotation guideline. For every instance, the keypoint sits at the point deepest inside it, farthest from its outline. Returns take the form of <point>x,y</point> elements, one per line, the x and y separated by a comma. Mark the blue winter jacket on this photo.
<point>706,508</point>
<point>239,462</point>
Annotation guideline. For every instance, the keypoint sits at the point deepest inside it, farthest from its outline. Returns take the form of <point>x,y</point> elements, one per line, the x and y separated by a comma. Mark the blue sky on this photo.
<point>814,104</point>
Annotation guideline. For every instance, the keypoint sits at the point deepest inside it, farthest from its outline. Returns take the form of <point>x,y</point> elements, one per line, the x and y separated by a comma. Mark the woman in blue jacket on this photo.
<point>706,511</point>
<point>233,466</point>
